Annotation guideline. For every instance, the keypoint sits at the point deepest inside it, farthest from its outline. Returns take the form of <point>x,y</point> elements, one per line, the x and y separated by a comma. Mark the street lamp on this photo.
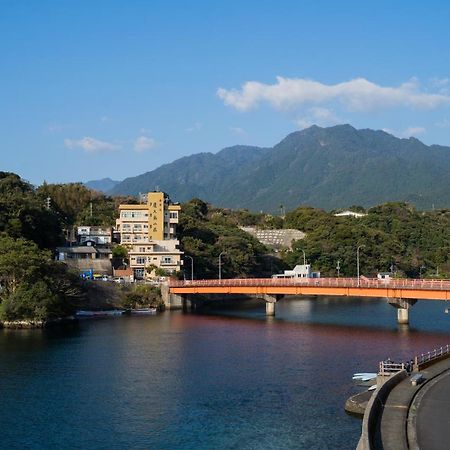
<point>192,265</point>
<point>357,262</point>
<point>304,256</point>
<point>220,264</point>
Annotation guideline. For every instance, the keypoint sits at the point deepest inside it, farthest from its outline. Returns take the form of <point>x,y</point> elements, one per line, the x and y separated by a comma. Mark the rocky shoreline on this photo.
<point>36,324</point>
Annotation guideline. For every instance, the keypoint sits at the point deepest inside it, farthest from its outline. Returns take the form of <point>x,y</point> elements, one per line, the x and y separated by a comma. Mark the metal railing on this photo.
<point>362,283</point>
<point>388,367</point>
<point>426,358</point>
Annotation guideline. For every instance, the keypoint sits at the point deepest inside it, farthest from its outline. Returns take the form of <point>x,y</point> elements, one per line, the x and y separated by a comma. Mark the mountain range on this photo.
<point>103,185</point>
<point>330,168</point>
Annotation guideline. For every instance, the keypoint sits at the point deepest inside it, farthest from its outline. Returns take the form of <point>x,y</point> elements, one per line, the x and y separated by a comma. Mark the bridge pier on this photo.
<point>403,306</point>
<point>173,301</point>
<point>270,308</point>
<point>271,300</point>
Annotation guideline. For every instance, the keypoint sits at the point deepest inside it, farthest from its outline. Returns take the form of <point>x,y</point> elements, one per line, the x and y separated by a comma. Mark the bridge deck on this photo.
<point>349,287</point>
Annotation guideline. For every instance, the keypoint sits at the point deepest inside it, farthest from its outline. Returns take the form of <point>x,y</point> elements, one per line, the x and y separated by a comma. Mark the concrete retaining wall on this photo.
<point>374,411</point>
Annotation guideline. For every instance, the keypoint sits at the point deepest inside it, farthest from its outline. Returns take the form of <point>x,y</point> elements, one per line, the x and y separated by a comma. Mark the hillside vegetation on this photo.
<point>32,285</point>
<point>394,235</point>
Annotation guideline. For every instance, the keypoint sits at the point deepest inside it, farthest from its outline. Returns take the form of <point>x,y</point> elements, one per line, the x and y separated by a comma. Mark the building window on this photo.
<point>139,273</point>
<point>174,215</point>
<point>140,260</point>
<point>142,249</point>
<point>131,214</point>
<point>166,260</point>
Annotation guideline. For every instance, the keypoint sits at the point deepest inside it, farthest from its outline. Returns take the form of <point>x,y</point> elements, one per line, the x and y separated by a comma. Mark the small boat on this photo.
<point>372,388</point>
<point>143,311</point>
<point>112,312</point>
<point>364,378</point>
<point>361,375</point>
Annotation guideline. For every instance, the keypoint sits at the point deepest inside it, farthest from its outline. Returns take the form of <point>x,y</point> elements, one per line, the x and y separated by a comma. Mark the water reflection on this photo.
<point>220,378</point>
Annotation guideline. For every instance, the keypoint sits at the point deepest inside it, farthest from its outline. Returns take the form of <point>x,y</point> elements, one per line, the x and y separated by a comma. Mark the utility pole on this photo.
<point>338,268</point>
<point>192,265</point>
<point>90,208</point>
<point>357,262</point>
<point>220,264</point>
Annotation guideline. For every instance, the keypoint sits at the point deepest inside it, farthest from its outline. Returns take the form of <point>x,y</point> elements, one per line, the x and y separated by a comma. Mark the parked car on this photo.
<point>120,280</point>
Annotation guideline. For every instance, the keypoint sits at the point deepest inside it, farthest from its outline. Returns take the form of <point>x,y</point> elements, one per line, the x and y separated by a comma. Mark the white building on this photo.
<point>299,271</point>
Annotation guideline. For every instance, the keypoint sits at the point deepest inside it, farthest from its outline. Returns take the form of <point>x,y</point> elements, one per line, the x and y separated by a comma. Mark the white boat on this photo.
<point>364,378</point>
<point>361,375</point>
<point>144,311</point>
<point>372,388</point>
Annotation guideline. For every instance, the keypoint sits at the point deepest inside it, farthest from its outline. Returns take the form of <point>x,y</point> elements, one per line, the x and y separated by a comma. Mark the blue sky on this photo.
<point>93,89</point>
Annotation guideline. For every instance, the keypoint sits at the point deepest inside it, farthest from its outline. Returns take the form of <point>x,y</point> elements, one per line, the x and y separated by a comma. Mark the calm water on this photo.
<point>229,379</point>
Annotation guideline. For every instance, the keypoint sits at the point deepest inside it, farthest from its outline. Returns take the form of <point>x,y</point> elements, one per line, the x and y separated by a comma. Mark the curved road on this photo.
<point>433,416</point>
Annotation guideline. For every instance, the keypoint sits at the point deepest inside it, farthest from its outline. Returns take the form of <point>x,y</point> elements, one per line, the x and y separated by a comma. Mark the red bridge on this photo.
<point>401,293</point>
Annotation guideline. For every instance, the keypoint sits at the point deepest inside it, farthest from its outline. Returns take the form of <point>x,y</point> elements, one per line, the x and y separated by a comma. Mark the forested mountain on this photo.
<point>103,185</point>
<point>324,167</point>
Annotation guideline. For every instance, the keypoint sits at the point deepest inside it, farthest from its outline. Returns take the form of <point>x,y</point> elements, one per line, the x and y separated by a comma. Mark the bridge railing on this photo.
<point>363,282</point>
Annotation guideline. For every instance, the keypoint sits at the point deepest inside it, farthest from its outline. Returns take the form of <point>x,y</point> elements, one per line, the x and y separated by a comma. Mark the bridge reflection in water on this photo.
<point>400,293</point>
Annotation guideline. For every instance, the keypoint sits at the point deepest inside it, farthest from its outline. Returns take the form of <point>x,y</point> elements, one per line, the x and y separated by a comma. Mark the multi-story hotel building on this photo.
<point>149,231</point>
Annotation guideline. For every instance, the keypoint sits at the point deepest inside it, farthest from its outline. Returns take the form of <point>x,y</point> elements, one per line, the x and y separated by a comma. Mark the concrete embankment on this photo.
<point>356,404</point>
<point>391,414</point>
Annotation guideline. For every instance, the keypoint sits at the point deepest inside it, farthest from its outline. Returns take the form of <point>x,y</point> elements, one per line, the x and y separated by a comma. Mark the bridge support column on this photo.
<point>271,300</point>
<point>403,306</point>
<point>172,301</point>
<point>270,308</point>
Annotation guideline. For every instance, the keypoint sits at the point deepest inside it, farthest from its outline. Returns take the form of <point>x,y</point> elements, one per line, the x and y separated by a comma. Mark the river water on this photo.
<point>226,379</point>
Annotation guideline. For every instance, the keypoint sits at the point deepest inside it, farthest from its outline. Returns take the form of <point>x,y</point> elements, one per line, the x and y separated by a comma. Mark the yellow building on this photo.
<point>149,231</point>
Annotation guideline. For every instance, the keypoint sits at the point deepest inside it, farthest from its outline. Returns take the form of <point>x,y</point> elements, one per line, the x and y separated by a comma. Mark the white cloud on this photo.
<point>440,82</point>
<point>408,132</point>
<point>318,116</point>
<point>196,127</point>
<point>89,145</point>
<point>143,143</point>
<point>237,130</point>
<point>444,123</point>
<point>358,94</point>
<point>413,131</point>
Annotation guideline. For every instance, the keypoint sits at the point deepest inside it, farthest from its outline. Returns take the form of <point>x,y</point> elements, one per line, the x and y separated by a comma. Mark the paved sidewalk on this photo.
<point>396,413</point>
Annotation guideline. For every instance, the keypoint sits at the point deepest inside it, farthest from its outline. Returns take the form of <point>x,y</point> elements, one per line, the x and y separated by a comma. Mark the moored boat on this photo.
<point>112,312</point>
<point>143,311</point>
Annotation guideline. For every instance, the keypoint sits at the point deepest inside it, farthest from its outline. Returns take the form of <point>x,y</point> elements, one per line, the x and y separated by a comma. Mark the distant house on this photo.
<point>99,235</point>
<point>299,271</point>
<point>86,257</point>
<point>350,214</point>
<point>384,276</point>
